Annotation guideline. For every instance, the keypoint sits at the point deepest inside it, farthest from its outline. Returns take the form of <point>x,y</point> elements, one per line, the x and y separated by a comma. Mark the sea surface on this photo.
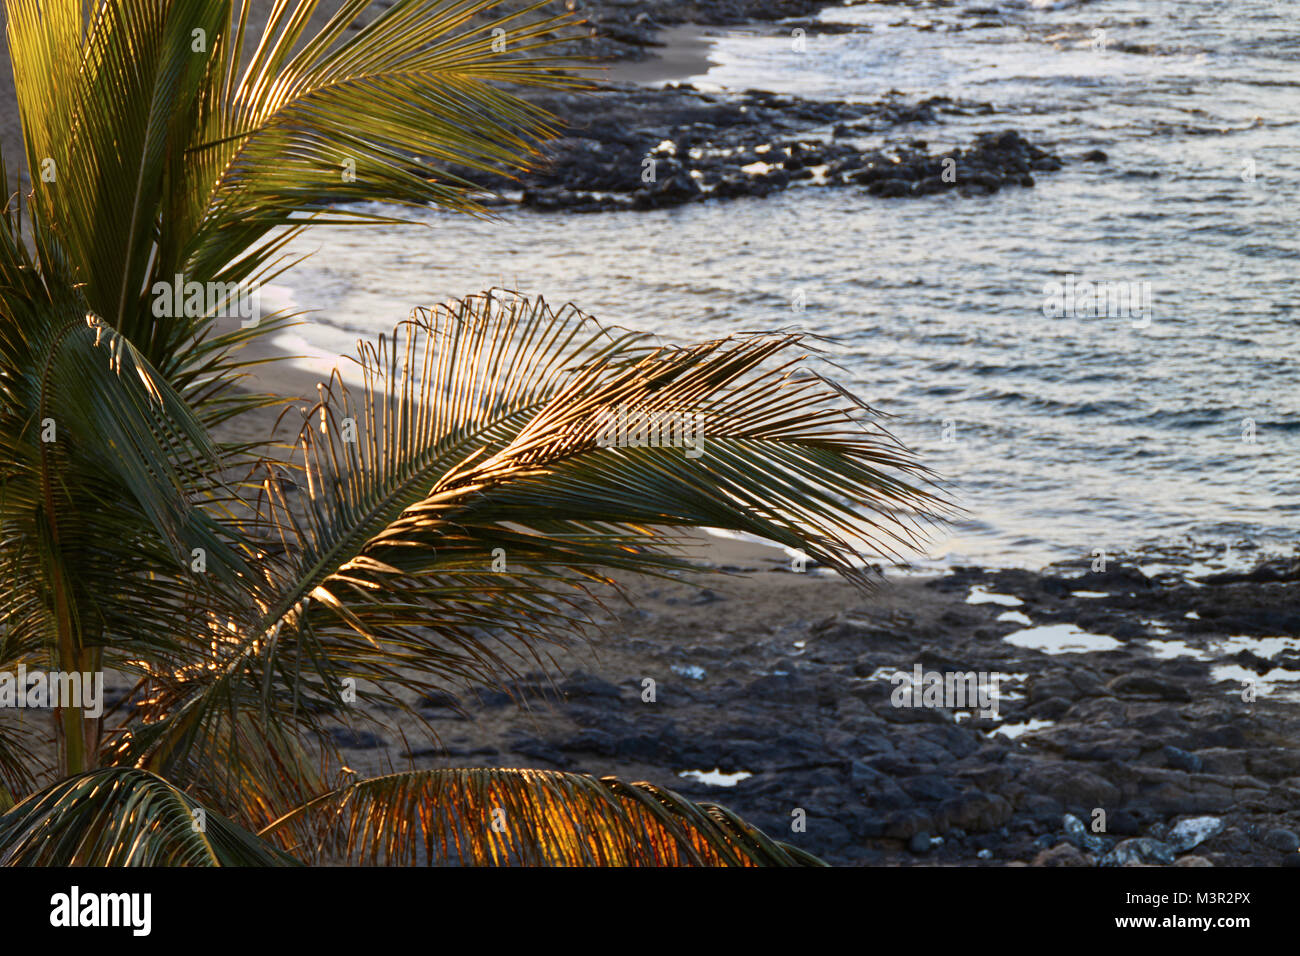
<point>1178,430</point>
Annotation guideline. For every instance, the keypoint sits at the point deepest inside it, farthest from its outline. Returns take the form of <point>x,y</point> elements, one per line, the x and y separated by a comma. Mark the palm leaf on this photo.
<point>106,90</point>
<point>481,433</point>
<point>180,145</point>
<point>114,504</point>
<point>120,816</point>
<point>19,765</point>
<point>529,818</point>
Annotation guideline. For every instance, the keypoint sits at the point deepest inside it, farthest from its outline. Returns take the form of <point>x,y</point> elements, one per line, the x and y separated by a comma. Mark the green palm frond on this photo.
<point>103,474</point>
<point>107,93</point>
<point>163,139</point>
<point>528,818</point>
<point>120,816</point>
<point>422,79</point>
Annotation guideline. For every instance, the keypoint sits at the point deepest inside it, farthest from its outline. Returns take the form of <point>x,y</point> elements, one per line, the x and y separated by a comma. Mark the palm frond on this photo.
<point>164,140</point>
<point>480,436</point>
<point>19,764</point>
<point>107,93</point>
<point>240,764</point>
<point>528,818</point>
<point>103,475</point>
<point>421,79</point>
<point>120,816</point>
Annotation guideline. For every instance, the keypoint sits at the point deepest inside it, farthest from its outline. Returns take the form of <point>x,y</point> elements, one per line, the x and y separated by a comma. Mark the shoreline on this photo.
<point>774,690</point>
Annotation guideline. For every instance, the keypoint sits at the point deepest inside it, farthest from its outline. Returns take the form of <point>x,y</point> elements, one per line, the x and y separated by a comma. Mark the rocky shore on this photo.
<point>629,147</point>
<point>632,29</point>
<point>650,145</point>
<point>1140,719</point>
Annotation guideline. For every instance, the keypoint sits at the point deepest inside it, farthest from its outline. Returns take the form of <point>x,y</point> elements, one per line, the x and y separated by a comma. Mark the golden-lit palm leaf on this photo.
<point>477,437</point>
<point>241,765</point>
<point>492,412</point>
<point>528,818</point>
<point>120,816</point>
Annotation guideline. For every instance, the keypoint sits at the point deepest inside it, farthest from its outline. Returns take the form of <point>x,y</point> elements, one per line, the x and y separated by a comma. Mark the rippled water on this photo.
<point>1061,435</point>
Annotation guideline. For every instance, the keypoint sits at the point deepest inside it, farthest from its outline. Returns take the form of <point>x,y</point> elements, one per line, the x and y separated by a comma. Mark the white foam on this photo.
<point>1168,650</point>
<point>1265,685</point>
<point>1019,730</point>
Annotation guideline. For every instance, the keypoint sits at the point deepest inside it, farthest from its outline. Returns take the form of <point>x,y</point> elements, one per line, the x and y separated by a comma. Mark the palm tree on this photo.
<point>257,593</point>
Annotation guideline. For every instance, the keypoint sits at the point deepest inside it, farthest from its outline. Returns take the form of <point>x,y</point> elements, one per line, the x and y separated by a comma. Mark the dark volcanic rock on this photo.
<point>580,685</point>
<point>1148,686</point>
<point>356,739</point>
<point>640,148</point>
<point>1176,764</point>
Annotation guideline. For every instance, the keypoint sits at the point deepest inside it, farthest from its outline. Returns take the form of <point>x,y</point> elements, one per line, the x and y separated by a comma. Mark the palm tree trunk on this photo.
<point>92,727</point>
<point>68,721</point>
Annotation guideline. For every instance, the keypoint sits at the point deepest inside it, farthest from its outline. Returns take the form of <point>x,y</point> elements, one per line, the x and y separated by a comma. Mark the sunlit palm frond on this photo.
<point>460,510</point>
<point>528,818</point>
<point>494,412</point>
<point>107,94</point>
<point>240,764</point>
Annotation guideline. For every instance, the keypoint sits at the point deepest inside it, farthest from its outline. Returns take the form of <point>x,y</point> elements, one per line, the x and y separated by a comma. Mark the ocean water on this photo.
<point>1058,435</point>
